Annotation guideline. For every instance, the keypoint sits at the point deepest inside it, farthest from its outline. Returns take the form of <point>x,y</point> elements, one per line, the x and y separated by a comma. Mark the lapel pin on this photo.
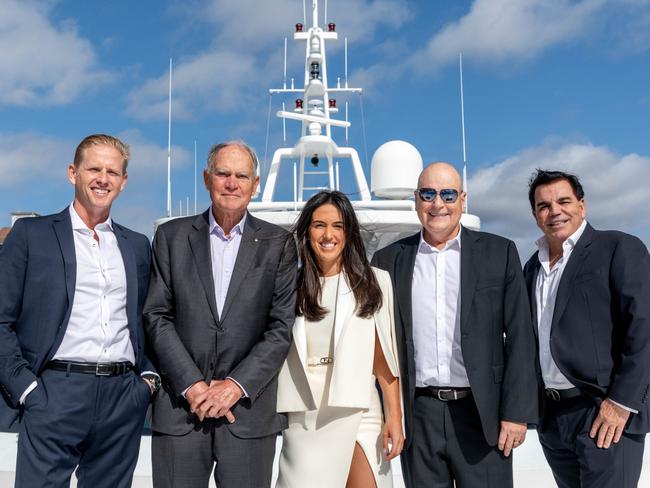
<point>256,239</point>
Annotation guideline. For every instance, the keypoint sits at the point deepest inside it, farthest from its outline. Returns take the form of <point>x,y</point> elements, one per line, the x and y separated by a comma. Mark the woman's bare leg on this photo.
<point>360,475</point>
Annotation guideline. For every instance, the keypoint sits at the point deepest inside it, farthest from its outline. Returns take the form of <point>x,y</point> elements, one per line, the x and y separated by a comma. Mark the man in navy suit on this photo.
<point>72,361</point>
<point>590,296</point>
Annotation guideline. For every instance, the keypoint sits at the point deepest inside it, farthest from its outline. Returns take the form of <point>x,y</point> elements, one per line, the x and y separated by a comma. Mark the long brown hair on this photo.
<point>355,265</point>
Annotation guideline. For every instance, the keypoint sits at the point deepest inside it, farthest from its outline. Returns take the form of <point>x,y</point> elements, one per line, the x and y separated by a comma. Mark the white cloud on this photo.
<point>509,30</point>
<point>147,155</point>
<point>615,189</point>
<point>30,156</point>
<point>246,54</point>
<point>43,64</point>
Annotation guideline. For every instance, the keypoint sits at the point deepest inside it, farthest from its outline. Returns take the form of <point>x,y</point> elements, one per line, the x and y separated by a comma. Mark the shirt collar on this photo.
<point>216,229</point>
<point>451,243</point>
<point>78,224</point>
<point>567,245</point>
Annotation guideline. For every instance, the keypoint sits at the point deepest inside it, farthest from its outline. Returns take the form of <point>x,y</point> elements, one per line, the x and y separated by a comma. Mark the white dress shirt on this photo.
<point>548,280</point>
<point>435,296</point>
<point>97,331</point>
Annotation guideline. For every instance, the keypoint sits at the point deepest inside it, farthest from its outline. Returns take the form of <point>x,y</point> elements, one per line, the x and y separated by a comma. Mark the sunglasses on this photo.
<point>447,195</point>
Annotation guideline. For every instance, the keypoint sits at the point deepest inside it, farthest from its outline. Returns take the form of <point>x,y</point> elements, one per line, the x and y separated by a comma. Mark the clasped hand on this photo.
<point>214,400</point>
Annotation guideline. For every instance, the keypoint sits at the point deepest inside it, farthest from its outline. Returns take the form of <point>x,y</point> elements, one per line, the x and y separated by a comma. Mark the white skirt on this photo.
<point>317,446</point>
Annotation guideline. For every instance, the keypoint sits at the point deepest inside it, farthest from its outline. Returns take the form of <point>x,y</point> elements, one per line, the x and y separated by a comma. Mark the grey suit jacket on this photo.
<point>497,338</point>
<point>248,342</point>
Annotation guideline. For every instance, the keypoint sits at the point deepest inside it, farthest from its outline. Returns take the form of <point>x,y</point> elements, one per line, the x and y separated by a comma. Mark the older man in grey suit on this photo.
<point>219,316</point>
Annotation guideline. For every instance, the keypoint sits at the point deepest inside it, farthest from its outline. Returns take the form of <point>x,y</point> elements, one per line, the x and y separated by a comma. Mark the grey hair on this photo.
<point>214,151</point>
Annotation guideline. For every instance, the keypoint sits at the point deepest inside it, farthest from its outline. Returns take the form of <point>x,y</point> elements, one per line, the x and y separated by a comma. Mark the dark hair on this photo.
<point>358,272</point>
<point>545,177</point>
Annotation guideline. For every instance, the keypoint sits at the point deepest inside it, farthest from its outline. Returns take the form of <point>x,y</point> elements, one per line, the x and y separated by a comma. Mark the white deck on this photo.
<point>531,470</point>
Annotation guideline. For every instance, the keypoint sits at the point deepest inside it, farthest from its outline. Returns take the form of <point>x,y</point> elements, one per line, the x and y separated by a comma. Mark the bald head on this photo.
<point>440,220</point>
<point>440,172</point>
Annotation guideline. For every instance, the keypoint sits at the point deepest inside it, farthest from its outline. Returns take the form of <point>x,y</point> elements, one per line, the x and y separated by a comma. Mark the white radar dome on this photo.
<point>395,168</point>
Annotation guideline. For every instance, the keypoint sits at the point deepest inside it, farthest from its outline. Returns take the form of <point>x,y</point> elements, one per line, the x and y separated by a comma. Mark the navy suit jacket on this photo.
<point>37,284</point>
<point>600,333</point>
<point>497,338</point>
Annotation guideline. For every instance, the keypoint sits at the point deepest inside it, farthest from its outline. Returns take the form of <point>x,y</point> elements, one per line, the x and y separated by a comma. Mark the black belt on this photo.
<point>443,394</point>
<point>560,395</point>
<point>98,369</point>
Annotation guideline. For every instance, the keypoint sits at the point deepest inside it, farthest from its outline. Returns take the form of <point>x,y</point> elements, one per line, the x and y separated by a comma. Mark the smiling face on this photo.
<point>327,238</point>
<point>558,212</point>
<point>440,221</point>
<point>231,182</point>
<point>98,180</point>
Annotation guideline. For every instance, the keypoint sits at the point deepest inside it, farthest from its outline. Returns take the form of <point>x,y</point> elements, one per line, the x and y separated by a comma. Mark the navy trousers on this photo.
<point>91,423</point>
<point>575,459</point>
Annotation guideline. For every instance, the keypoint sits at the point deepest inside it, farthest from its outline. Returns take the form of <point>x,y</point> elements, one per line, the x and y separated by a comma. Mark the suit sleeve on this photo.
<point>630,288</point>
<point>15,375</point>
<point>172,358</point>
<point>266,357</point>
<point>519,397</point>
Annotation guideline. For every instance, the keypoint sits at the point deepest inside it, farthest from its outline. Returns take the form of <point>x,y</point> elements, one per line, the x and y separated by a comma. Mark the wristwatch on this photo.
<point>153,380</point>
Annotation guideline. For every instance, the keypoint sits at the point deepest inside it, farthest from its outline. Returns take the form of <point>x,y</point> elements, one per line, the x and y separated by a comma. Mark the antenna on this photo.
<point>169,145</point>
<point>304,12</point>
<point>195,176</point>
<point>462,123</point>
<point>285,64</point>
<point>325,16</point>
<point>346,61</point>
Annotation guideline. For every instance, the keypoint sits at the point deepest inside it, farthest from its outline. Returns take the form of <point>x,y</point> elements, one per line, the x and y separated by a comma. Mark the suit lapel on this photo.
<point>404,265</point>
<point>131,271</point>
<point>200,245</point>
<point>531,283</point>
<point>470,257</point>
<point>578,256</point>
<point>247,251</point>
<point>345,305</point>
<point>300,339</point>
<point>63,230</point>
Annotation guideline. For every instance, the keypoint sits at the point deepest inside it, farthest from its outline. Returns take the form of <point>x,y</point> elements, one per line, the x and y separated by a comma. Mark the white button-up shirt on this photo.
<point>548,280</point>
<point>98,327</point>
<point>435,296</point>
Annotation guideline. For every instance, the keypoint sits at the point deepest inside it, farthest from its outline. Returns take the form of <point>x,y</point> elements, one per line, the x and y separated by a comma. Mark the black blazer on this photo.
<point>248,342</point>
<point>497,337</point>
<point>37,283</point>
<point>600,333</point>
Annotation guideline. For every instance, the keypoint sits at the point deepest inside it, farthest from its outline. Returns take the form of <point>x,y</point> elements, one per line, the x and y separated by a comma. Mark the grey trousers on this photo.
<point>187,461</point>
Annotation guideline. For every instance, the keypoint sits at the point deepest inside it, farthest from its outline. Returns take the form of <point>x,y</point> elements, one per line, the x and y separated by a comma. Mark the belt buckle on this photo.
<point>553,394</point>
<point>446,391</point>
<point>326,360</point>
<point>100,372</point>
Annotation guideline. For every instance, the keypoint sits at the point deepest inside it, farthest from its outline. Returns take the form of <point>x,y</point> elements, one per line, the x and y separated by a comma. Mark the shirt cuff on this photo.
<point>245,395</point>
<point>631,410</point>
<point>27,391</point>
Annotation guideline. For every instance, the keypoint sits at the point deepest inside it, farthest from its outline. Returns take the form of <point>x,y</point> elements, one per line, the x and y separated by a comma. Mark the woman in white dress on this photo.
<point>343,346</point>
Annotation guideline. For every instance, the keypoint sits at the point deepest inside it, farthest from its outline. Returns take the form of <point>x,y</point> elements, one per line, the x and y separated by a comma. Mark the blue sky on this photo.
<point>548,83</point>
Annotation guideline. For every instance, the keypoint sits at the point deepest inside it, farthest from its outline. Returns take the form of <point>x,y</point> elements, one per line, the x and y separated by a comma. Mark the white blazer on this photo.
<point>352,380</point>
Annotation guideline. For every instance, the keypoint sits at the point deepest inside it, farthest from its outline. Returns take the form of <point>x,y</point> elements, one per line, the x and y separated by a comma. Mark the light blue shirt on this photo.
<point>223,251</point>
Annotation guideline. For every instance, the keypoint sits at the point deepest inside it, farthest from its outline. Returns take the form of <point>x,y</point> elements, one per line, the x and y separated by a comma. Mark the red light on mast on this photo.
<point>299,27</point>
<point>299,103</point>
<point>332,103</point>
<point>331,27</point>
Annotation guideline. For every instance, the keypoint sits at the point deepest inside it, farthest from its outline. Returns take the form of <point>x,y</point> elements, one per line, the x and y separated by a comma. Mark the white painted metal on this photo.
<point>169,145</point>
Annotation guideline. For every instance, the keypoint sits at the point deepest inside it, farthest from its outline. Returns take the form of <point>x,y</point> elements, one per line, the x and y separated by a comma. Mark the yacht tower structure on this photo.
<point>316,156</point>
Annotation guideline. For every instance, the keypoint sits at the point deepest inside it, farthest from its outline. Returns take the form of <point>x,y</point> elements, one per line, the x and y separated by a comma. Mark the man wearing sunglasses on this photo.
<point>590,295</point>
<point>465,340</point>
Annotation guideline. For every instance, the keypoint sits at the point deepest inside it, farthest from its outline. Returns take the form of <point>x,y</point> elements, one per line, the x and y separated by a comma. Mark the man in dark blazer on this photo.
<point>465,341</point>
<point>71,338</point>
<point>219,316</point>
<point>590,297</point>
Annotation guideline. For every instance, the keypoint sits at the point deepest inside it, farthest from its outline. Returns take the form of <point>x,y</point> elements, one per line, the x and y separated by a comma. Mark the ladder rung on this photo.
<point>315,187</point>
<point>316,172</point>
